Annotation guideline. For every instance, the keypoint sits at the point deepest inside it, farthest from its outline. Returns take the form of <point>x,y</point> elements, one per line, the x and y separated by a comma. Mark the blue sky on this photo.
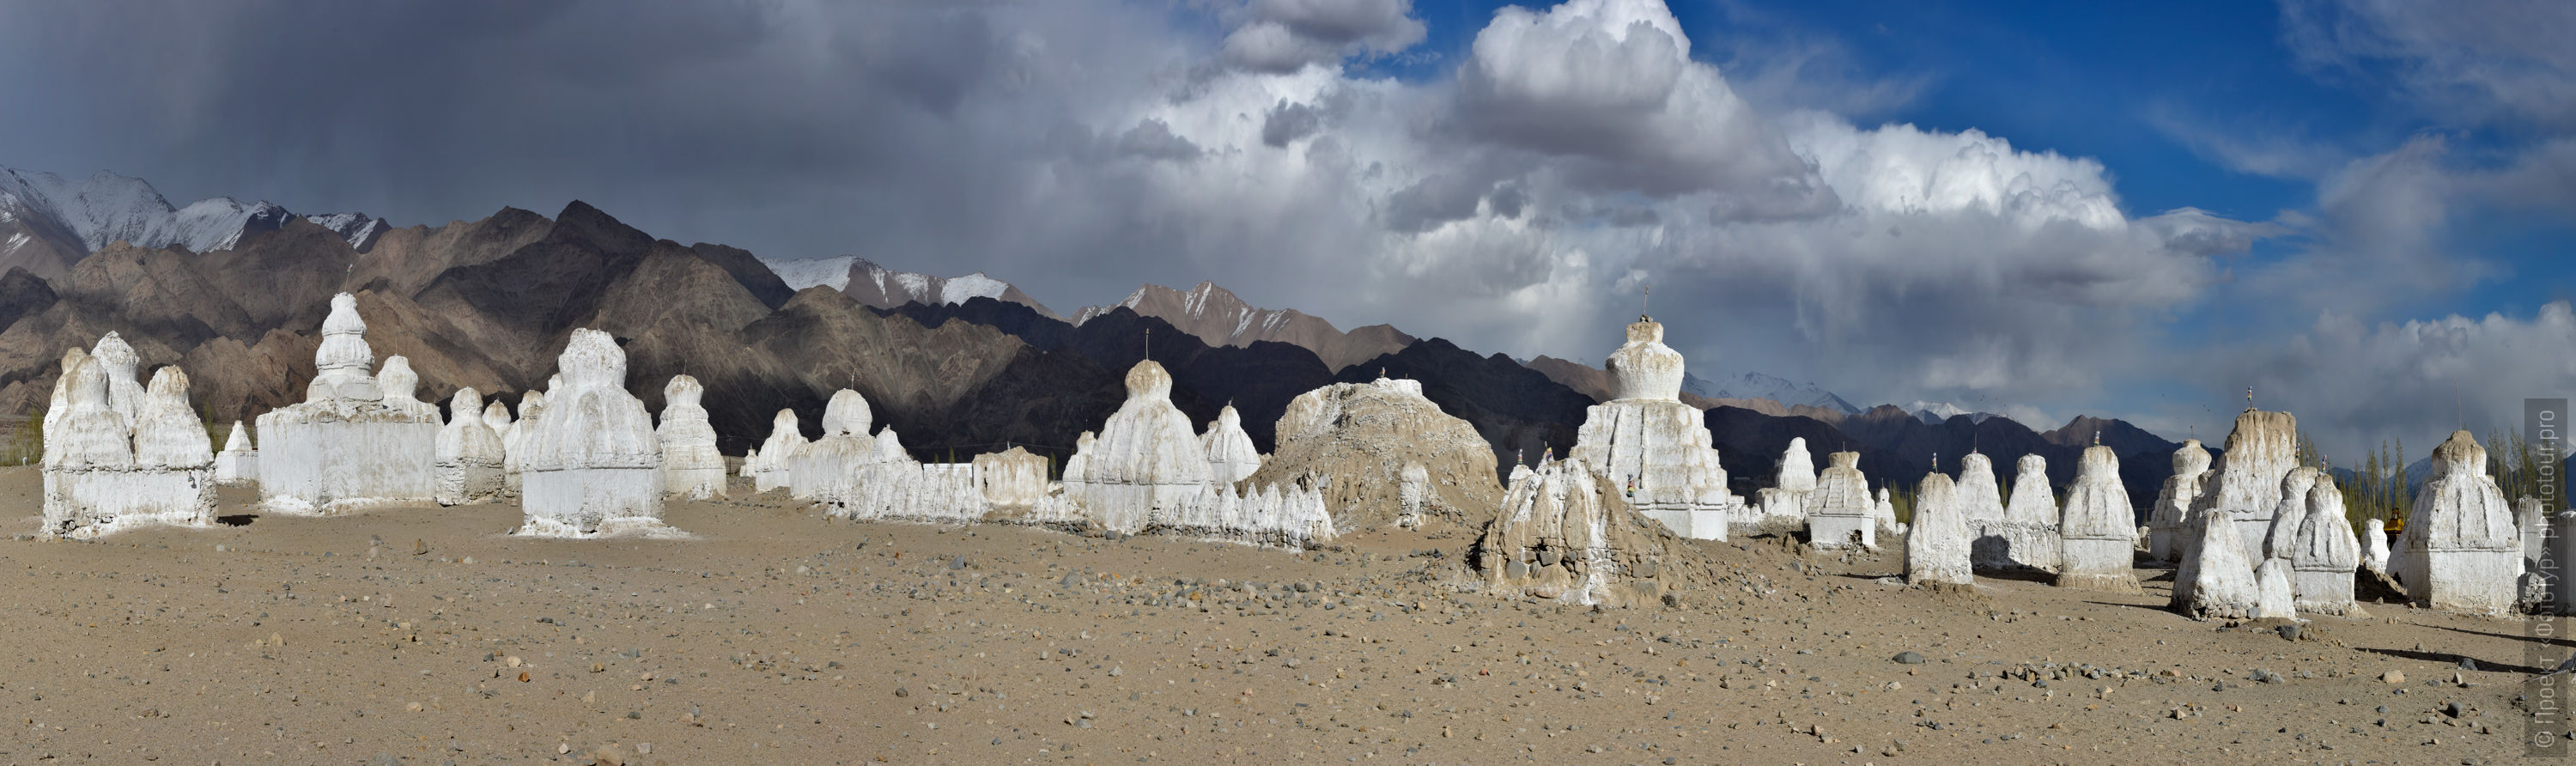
<point>2362,209</point>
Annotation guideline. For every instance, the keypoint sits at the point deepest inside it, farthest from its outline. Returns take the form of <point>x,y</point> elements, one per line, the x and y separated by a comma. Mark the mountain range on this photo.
<point>873,285</point>
<point>960,366</point>
<point>48,222</point>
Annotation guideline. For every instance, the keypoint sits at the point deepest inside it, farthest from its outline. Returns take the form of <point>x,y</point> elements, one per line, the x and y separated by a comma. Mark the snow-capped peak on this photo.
<point>108,207</point>
<point>886,288</point>
<point>1755,385</point>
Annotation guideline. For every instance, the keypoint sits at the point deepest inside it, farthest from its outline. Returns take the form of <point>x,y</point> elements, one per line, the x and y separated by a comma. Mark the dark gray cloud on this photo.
<point>1288,122</point>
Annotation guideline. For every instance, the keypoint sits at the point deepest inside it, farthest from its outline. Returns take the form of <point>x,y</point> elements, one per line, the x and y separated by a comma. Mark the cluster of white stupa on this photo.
<point>118,454</point>
<point>1146,471</point>
<point>2253,535</point>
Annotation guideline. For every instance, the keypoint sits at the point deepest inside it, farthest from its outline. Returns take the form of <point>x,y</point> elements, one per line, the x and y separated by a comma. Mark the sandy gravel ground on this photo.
<point>425,635</point>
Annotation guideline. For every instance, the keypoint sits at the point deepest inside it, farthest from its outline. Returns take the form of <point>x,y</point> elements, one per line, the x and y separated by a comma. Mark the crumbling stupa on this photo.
<point>469,454</point>
<point>594,465</point>
<point>1653,448</point>
<point>691,466</point>
<point>349,444</point>
<point>1936,544</point>
<point>2096,539</point>
<point>2166,521</point>
<point>2247,485</point>
<point>2462,552</point>
<point>1842,517</point>
<point>105,472</point>
<point>2030,531</point>
<point>1358,442</point>
<point>1566,534</point>
<point>1981,499</point>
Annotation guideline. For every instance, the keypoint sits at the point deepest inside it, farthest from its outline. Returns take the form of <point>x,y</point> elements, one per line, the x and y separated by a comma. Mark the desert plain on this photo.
<point>770,634</point>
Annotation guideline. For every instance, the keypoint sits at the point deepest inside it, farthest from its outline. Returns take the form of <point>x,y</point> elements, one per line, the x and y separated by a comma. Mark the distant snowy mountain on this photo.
<point>359,228</point>
<point>1754,385</point>
<point>1935,413</point>
<point>885,288</point>
<point>74,219</point>
<point>1217,317</point>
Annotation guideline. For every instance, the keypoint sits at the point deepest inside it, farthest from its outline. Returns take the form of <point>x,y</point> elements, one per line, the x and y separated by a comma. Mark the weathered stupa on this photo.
<point>1358,443</point>
<point>2263,448</point>
<point>2165,522</point>
<point>1936,545</point>
<point>829,464</point>
<point>1230,452</point>
<point>2535,583</point>
<point>2462,552</point>
<point>594,465</point>
<point>2324,554</point>
<point>1566,534</point>
<point>469,453</point>
<point>691,466</point>
<point>1981,499</point>
<point>104,471</point>
<point>239,462</point>
<point>2216,578</point>
<point>1883,515</point>
<point>1842,516</point>
<point>514,443</point>
<point>1145,460</point>
<point>2374,545</point>
<point>1014,484</point>
<point>1653,448</point>
<point>1782,506</point>
<point>119,363</point>
<point>2274,597</point>
<point>2096,539</point>
<point>2288,512</point>
<point>767,466</point>
<point>349,444</point>
<point>496,416</point>
<point>2030,531</point>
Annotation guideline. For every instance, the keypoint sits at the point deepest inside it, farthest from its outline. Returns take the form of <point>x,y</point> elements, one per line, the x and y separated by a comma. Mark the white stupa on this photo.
<point>469,454</point>
<point>349,444</point>
<point>691,466</point>
<point>1651,446</point>
<point>594,465</point>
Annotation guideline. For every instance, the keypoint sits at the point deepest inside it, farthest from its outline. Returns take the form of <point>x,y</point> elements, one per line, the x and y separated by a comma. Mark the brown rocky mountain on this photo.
<point>1215,316</point>
<point>489,304</point>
